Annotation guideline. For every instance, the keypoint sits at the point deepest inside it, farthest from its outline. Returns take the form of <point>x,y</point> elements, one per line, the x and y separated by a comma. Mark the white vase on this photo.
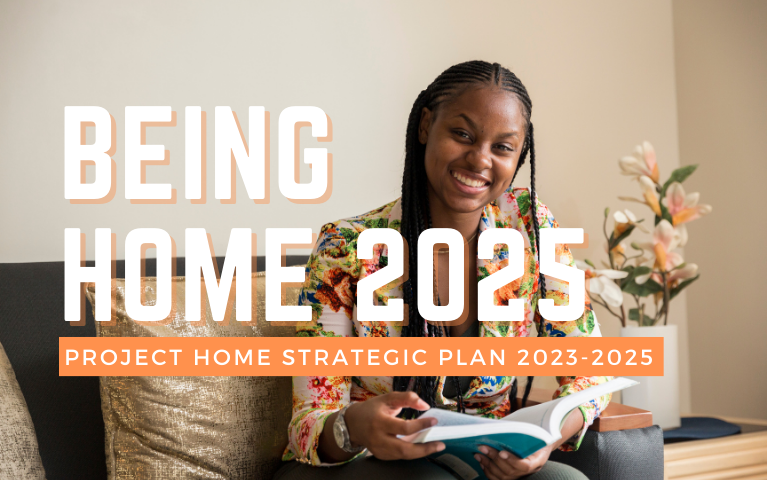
<point>659,395</point>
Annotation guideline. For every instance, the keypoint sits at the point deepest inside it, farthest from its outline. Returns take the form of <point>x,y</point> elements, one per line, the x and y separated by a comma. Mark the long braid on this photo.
<point>415,202</point>
<point>536,230</point>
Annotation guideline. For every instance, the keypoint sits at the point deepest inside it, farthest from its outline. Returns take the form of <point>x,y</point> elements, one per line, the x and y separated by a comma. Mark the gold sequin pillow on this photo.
<point>19,456</point>
<point>193,427</point>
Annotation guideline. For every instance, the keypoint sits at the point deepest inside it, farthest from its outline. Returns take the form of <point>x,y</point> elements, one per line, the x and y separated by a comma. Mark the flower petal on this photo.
<point>648,191</point>
<point>691,199</point>
<point>663,234</point>
<point>675,198</point>
<point>642,279</point>
<point>597,285</point>
<point>631,166</point>
<point>673,260</point>
<point>612,295</point>
<point>681,231</point>
<point>688,271</point>
<point>650,161</point>
<point>581,265</point>
<point>620,217</point>
<point>612,274</point>
<point>631,199</point>
<point>690,214</point>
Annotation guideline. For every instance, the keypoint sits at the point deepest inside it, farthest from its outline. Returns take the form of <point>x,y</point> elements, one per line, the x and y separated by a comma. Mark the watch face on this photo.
<point>338,434</point>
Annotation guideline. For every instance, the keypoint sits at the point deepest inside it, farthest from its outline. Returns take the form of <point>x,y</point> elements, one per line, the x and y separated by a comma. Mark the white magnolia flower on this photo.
<point>683,207</point>
<point>649,193</point>
<point>641,162</point>
<point>665,238</point>
<point>627,217</point>
<point>601,283</point>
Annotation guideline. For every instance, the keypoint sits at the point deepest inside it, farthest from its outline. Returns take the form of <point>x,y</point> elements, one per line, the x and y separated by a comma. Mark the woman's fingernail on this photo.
<point>483,449</point>
<point>477,457</point>
<point>504,455</point>
<point>440,447</point>
<point>434,421</point>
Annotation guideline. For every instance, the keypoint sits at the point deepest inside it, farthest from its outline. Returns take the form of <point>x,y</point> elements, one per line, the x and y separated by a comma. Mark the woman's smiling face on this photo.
<point>473,143</point>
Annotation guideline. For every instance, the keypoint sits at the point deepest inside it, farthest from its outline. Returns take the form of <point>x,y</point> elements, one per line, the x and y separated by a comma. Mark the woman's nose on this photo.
<point>479,157</point>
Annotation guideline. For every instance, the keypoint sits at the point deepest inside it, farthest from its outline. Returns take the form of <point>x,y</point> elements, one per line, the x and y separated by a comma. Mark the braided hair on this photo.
<point>416,216</point>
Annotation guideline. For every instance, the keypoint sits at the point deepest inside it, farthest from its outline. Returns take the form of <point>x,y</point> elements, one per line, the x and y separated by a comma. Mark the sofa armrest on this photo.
<point>621,444</point>
<point>618,455</point>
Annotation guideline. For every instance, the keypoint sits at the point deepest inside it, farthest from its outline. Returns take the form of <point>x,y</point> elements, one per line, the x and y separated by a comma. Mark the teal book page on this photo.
<point>459,452</point>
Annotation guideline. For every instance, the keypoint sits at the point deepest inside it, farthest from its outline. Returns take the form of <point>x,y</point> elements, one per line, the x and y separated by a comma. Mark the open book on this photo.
<point>523,432</point>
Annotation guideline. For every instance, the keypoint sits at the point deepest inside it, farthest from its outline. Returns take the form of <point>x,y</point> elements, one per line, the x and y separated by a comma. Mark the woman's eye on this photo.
<point>461,134</point>
<point>506,148</point>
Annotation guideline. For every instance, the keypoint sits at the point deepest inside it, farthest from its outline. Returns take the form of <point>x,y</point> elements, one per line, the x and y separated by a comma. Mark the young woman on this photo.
<point>467,135</point>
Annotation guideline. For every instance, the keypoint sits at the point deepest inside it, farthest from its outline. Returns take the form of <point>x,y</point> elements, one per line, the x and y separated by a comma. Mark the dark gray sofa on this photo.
<point>66,411</point>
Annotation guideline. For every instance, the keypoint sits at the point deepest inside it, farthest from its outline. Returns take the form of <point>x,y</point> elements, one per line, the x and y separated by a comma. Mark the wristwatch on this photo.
<point>341,434</point>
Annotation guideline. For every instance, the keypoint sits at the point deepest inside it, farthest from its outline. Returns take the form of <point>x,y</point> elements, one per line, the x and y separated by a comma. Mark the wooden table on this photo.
<point>742,456</point>
<point>615,417</point>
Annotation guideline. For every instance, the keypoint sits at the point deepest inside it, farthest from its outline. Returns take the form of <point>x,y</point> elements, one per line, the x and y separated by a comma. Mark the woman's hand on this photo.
<point>507,466</point>
<point>374,424</point>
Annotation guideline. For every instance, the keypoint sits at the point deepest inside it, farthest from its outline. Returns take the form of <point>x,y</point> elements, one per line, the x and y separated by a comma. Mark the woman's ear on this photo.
<point>424,125</point>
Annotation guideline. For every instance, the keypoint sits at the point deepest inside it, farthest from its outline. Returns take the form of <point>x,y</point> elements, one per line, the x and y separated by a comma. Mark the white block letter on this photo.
<point>426,242</point>
<point>135,152</point>
<point>393,311</point>
<point>277,274</point>
<point>238,255</point>
<point>75,153</point>
<point>487,310</point>
<point>230,146</point>
<point>74,274</point>
<point>193,153</point>
<point>133,242</point>
<point>316,157</point>
<point>576,289</point>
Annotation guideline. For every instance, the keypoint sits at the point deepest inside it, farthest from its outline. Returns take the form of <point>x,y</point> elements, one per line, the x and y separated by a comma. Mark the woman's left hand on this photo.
<point>505,465</point>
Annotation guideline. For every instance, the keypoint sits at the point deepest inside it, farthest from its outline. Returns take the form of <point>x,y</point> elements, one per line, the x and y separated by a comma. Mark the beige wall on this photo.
<point>721,67</point>
<point>600,73</point>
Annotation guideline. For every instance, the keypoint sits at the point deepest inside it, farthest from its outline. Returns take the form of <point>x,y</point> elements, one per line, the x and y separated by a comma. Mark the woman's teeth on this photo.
<point>468,181</point>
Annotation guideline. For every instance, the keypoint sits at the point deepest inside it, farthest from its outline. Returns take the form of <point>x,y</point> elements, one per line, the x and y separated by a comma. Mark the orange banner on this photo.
<point>229,356</point>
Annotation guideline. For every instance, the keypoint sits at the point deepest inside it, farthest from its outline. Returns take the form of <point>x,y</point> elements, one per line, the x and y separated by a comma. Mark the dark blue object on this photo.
<point>698,428</point>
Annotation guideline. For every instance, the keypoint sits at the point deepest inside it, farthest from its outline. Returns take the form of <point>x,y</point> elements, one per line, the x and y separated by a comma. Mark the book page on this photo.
<point>549,415</point>
<point>535,414</point>
<point>446,418</point>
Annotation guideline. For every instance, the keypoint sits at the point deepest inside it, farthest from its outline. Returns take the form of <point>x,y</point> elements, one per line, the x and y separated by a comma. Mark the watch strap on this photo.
<point>347,446</point>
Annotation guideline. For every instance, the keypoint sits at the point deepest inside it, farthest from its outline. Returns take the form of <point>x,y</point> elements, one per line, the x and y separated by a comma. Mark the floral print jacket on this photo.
<point>330,289</point>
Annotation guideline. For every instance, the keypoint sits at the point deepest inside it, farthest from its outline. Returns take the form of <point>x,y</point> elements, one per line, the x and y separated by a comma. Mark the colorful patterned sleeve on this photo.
<point>330,287</point>
<point>585,326</point>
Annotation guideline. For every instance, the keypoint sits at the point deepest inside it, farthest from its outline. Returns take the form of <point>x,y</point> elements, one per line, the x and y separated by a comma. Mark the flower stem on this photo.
<point>594,299</point>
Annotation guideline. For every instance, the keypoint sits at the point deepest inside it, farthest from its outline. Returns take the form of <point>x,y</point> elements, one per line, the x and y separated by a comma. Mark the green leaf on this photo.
<point>643,290</point>
<point>664,214</point>
<point>631,275</point>
<point>633,272</point>
<point>642,270</point>
<point>678,175</point>
<point>675,291</point>
<point>646,320</point>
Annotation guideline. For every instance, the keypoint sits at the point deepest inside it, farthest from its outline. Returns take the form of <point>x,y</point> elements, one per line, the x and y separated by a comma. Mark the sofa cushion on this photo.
<point>193,427</point>
<point>19,457</point>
